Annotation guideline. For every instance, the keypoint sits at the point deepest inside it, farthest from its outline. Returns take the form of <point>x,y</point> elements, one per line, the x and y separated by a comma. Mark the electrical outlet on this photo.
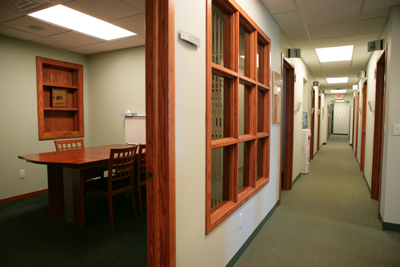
<point>240,220</point>
<point>21,174</point>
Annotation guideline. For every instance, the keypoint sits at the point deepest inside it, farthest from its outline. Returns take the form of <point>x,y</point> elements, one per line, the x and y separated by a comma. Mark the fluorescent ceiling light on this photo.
<point>355,87</point>
<point>339,100</point>
<point>341,91</point>
<point>69,18</point>
<point>337,80</point>
<point>330,54</point>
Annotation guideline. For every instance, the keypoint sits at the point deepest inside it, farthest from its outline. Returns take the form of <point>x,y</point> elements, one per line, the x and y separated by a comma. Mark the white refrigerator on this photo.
<point>305,150</point>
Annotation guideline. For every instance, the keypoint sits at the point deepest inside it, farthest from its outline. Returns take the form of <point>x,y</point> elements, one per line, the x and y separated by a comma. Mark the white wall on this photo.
<point>117,83</point>
<point>18,118</point>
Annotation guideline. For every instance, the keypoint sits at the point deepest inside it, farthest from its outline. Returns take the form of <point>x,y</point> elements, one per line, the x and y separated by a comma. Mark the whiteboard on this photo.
<point>135,130</point>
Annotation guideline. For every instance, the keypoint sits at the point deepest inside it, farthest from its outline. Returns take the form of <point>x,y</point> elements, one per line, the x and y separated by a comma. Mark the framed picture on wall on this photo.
<point>276,97</point>
<point>59,97</point>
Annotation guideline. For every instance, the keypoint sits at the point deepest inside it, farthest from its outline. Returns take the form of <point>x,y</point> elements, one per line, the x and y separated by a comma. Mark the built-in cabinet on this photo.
<point>60,99</point>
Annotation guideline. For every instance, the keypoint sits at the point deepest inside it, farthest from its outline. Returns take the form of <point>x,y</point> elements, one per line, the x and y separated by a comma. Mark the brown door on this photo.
<point>312,123</point>
<point>319,121</point>
<point>160,132</point>
<point>377,157</point>
<point>364,124</point>
<point>357,109</point>
<point>352,131</point>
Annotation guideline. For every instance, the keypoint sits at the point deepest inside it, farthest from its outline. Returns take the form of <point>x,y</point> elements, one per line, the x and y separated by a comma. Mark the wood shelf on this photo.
<point>60,99</point>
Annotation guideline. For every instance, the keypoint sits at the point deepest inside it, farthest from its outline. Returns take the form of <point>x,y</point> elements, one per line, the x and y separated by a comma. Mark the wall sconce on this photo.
<point>297,107</point>
<point>371,104</point>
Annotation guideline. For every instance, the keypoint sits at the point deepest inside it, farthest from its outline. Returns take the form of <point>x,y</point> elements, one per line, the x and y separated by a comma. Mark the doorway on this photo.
<point>357,111</point>
<point>377,157</point>
<point>312,122</point>
<point>319,122</point>
<point>363,124</point>
<point>287,126</point>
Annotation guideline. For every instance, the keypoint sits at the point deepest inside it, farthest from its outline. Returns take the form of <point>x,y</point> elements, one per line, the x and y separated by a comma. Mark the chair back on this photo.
<point>141,159</point>
<point>121,165</point>
<point>66,145</point>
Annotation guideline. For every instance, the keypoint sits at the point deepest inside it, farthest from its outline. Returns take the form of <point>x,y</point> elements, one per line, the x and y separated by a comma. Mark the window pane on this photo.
<point>244,165</point>
<point>261,158</point>
<point>217,36</point>
<point>244,109</point>
<point>221,103</point>
<point>259,62</point>
<point>242,57</point>
<point>261,110</point>
<point>220,174</point>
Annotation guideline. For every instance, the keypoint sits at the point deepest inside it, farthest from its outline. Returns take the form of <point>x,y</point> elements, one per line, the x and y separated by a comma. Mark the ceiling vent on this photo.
<point>25,6</point>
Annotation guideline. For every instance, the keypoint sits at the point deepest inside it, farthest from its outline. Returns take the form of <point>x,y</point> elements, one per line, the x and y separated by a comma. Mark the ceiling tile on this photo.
<point>331,14</point>
<point>365,38</point>
<point>289,20</point>
<point>305,4</point>
<point>17,33</point>
<point>333,42</point>
<point>104,9</point>
<point>372,25</point>
<point>280,6</point>
<point>329,66</point>
<point>68,40</point>
<point>134,24</point>
<point>302,45</point>
<point>96,48</point>
<point>131,41</point>
<point>375,9</point>
<point>139,4</point>
<point>23,23</point>
<point>309,53</point>
<point>333,30</point>
<point>7,15</point>
<point>298,34</point>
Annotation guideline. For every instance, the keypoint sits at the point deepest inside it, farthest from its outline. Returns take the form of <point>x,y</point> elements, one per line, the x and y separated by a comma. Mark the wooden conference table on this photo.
<point>65,179</point>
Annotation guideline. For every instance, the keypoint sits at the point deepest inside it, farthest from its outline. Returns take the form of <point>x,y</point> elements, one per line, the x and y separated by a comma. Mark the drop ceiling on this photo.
<point>308,24</point>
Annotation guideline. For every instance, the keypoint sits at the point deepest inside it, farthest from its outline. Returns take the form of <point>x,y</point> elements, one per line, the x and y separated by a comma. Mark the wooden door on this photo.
<point>358,105</point>
<point>379,128</point>
<point>319,122</point>
<point>312,123</point>
<point>352,131</point>
<point>160,132</point>
<point>364,124</point>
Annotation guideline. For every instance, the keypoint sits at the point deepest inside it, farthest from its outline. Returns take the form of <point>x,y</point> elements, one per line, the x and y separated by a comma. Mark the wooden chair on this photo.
<point>120,178</point>
<point>141,172</point>
<point>67,145</point>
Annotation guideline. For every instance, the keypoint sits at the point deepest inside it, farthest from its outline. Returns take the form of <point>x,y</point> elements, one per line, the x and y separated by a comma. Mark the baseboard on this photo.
<point>297,178</point>
<point>23,196</point>
<point>369,188</point>
<point>252,237</point>
<point>393,227</point>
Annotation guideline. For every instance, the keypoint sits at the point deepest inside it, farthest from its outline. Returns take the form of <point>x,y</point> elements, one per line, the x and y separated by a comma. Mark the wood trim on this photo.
<point>377,154</point>
<point>357,116</point>
<point>363,124</point>
<point>312,123</point>
<point>160,132</point>
<point>23,196</point>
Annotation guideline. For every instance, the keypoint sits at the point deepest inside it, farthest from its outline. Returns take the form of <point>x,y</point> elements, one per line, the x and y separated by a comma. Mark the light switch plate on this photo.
<point>396,129</point>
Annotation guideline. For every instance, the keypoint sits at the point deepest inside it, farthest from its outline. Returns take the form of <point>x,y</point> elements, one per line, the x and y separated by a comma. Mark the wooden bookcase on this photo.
<point>60,99</point>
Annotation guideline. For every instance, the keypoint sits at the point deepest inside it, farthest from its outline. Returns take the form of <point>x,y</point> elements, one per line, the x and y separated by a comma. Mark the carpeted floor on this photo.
<point>327,219</point>
<point>28,237</point>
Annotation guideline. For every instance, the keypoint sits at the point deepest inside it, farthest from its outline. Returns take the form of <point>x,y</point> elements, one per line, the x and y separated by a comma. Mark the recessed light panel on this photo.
<point>337,80</point>
<point>339,101</point>
<point>330,54</point>
<point>69,18</point>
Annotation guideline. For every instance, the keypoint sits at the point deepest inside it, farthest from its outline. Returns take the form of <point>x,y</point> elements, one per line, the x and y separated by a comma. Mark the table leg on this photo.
<point>74,196</point>
<point>55,192</point>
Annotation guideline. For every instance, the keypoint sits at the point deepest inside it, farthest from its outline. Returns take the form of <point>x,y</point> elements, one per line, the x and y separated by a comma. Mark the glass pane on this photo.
<point>241,51</point>
<point>259,55</point>
<point>261,157</point>
<point>217,113</point>
<point>217,36</point>
<point>241,166</point>
<point>261,111</point>
<point>244,112</point>
<point>244,165</point>
<point>217,174</point>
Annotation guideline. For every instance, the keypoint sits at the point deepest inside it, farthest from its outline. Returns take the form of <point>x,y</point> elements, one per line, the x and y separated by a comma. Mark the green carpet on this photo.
<point>327,219</point>
<point>28,237</point>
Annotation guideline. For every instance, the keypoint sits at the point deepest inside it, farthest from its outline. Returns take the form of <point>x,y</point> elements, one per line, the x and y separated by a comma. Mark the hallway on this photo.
<point>327,219</point>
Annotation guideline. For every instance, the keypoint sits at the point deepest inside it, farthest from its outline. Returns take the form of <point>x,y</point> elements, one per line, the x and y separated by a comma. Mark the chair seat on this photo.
<point>101,184</point>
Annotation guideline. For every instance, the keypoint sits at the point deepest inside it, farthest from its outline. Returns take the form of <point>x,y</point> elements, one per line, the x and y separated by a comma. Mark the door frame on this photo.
<point>312,126</point>
<point>319,121</point>
<point>160,132</point>
<point>289,128</point>
<point>363,124</point>
<point>380,102</point>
